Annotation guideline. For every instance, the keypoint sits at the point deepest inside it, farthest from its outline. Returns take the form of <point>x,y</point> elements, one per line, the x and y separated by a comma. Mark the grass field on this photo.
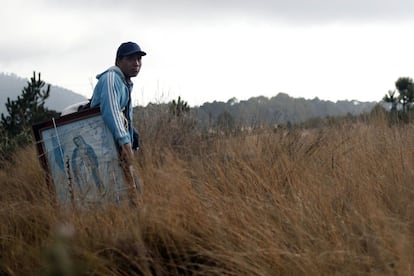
<point>330,201</point>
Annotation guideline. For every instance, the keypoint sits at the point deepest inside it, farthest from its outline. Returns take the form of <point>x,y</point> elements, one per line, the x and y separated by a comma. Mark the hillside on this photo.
<point>11,86</point>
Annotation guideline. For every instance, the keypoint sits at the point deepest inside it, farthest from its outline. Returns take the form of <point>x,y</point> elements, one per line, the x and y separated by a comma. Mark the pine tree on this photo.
<point>179,107</point>
<point>391,98</point>
<point>27,109</point>
<point>405,87</point>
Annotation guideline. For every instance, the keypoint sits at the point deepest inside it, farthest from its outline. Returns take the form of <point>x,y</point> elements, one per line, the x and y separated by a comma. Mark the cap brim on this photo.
<point>141,53</point>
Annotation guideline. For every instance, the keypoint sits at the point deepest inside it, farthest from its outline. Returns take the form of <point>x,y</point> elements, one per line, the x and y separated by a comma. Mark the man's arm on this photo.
<point>109,101</point>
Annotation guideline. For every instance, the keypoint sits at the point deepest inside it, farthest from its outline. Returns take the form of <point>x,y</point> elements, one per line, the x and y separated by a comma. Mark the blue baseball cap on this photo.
<point>129,48</point>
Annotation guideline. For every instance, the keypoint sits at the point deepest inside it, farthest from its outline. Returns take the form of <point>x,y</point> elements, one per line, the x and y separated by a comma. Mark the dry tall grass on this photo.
<point>332,201</point>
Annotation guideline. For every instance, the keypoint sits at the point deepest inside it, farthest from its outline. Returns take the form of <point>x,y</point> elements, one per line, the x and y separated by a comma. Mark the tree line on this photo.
<point>29,108</point>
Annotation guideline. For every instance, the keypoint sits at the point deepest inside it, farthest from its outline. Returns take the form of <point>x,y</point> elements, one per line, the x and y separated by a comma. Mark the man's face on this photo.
<point>130,65</point>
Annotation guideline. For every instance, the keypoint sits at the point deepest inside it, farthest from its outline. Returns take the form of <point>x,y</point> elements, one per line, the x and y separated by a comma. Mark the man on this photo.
<point>112,94</point>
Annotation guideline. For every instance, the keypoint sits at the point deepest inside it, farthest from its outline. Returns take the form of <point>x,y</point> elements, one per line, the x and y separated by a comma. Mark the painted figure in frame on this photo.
<point>84,163</point>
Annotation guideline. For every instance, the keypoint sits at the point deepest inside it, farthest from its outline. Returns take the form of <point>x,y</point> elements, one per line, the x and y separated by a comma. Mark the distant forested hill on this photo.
<point>12,85</point>
<point>259,111</point>
<point>279,109</point>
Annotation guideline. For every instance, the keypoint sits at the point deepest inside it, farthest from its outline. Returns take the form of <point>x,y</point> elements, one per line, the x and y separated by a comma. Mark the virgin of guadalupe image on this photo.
<point>85,167</point>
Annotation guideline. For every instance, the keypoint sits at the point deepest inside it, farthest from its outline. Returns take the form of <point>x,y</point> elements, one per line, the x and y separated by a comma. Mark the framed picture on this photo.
<point>81,160</point>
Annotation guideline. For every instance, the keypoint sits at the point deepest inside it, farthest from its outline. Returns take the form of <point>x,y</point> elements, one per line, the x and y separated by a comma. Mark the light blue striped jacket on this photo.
<point>112,93</point>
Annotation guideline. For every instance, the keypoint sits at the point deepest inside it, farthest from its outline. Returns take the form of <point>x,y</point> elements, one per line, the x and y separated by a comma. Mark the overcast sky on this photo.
<point>210,50</point>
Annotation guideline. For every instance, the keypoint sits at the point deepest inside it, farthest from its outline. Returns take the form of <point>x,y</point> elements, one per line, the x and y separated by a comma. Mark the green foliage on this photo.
<point>405,87</point>
<point>404,100</point>
<point>179,107</point>
<point>28,109</point>
<point>392,99</point>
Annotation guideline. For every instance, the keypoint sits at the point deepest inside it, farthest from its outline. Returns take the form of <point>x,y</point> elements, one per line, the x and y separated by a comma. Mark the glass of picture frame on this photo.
<point>81,159</point>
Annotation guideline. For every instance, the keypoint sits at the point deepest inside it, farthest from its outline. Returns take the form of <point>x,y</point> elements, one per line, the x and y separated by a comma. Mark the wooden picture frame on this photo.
<point>81,159</point>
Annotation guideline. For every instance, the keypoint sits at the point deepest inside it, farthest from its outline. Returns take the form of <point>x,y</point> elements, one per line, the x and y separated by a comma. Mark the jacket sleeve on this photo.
<point>110,108</point>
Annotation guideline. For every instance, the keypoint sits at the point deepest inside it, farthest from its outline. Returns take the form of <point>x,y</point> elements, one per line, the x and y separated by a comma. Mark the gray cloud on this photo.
<point>292,11</point>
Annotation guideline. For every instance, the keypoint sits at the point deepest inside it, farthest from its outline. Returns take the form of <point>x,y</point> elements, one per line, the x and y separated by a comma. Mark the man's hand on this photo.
<point>127,153</point>
<point>132,181</point>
